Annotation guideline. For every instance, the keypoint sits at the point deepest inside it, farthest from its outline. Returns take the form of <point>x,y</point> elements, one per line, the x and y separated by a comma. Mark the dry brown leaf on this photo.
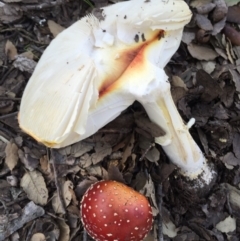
<point>82,187</point>
<point>28,54</point>
<point>188,36</point>
<point>10,50</point>
<point>67,197</point>
<point>203,22</point>
<point>207,8</point>
<point>128,148</point>
<point>97,171</point>
<point>202,52</point>
<point>153,155</point>
<point>102,149</point>
<point>9,13</point>
<point>55,28</point>
<point>34,185</point>
<point>38,237</point>
<point>44,163</point>
<point>178,82</point>
<point>199,3</point>
<point>149,191</point>
<point>80,148</point>
<point>57,205</point>
<point>24,64</point>
<point>64,231</point>
<point>11,159</point>
<point>220,10</point>
<point>85,161</point>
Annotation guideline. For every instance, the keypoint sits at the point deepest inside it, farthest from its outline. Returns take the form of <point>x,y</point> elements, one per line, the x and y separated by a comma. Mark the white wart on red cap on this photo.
<point>112,211</point>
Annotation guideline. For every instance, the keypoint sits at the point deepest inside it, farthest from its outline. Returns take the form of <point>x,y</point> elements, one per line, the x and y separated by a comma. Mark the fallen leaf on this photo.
<point>28,54</point>
<point>128,148</point>
<point>30,212</point>
<point>206,8</point>
<point>220,10</point>
<point>203,22</point>
<point>115,174</point>
<point>45,165</point>
<point>197,3</point>
<point>211,87</point>
<point>24,64</point>
<point>153,155</point>
<point>9,13</point>
<point>236,141</point>
<point>149,191</point>
<point>202,52</point>
<point>34,185</point>
<point>231,2</point>
<point>188,36</point>
<point>232,34</point>
<point>11,159</point>
<point>230,159</point>
<point>169,227</point>
<point>10,50</point>
<point>102,150</point>
<point>144,124</point>
<point>82,187</point>
<point>218,27</point>
<point>227,225</point>
<point>80,148</point>
<point>38,237</point>
<point>64,231</point>
<point>67,197</point>
<point>54,28</point>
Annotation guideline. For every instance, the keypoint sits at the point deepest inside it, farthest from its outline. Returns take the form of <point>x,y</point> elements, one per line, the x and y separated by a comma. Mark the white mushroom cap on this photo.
<point>90,72</point>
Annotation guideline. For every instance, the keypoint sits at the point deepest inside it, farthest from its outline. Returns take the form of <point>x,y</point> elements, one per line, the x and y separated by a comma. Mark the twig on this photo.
<point>8,115</point>
<point>7,213</point>
<point>29,235</point>
<point>146,151</point>
<point>59,190</point>
<point>27,8</point>
<point>56,217</point>
<point>14,201</point>
<point>160,221</point>
<point>85,235</point>
<point>9,98</point>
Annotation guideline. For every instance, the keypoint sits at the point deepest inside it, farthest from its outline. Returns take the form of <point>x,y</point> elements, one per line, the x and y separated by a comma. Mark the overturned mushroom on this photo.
<point>95,69</point>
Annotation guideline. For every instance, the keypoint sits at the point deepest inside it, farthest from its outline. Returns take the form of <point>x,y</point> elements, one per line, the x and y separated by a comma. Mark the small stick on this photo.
<point>29,235</point>
<point>12,202</point>
<point>8,115</point>
<point>59,190</point>
<point>160,221</point>
<point>146,151</point>
<point>85,235</point>
<point>56,217</point>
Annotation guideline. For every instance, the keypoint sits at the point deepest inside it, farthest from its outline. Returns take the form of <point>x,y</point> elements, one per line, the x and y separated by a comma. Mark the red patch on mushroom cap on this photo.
<point>113,211</point>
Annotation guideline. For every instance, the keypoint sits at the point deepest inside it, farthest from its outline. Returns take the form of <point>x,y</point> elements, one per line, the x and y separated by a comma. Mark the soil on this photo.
<point>48,184</point>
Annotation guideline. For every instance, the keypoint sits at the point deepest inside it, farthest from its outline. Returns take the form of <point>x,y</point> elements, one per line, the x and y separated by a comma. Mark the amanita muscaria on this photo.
<point>113,211</point>
<point>95,69</point>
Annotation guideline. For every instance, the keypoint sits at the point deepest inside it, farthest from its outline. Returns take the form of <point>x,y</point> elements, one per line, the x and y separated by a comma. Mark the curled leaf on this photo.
<point>232,34</point>
<point>34,185</point>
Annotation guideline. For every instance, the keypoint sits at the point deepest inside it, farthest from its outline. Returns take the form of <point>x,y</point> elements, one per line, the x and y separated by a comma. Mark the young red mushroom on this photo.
<point>113,211</point>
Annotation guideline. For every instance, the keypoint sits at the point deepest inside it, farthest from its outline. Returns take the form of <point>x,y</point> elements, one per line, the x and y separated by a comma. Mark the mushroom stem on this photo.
<point>178,143</point>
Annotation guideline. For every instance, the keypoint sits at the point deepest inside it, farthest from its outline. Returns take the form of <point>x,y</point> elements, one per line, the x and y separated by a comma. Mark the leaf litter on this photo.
<point>204,75</point>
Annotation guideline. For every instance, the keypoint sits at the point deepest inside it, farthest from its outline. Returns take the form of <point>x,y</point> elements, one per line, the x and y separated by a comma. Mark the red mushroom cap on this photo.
<point>112,211</point>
